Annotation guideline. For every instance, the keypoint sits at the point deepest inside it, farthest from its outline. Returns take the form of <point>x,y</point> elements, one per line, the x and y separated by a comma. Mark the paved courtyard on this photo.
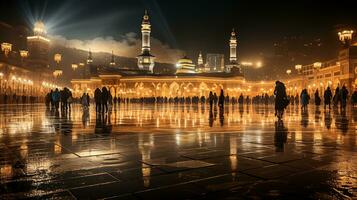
<point>177,152</point>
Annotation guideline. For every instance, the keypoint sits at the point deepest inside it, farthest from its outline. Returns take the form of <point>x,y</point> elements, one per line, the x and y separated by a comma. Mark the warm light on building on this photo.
<point>39,28</point>
<point>317,65</point>
<point>57,73</point>
<point>24,53</point>
<point>6,48</point>
<point>288,71</point>
<point>57,58</point>
<point>345,35</point>
<point>74,66</point>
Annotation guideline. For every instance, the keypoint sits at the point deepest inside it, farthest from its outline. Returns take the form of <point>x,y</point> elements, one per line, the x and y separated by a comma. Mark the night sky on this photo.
<point>189,25</point>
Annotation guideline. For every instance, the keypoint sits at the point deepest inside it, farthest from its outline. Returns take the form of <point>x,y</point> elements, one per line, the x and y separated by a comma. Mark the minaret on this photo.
<point>233,47</point>
<point>89,59</point>
<point>38,46</point>
<point>145,59</point>
<point>200,59</point>
<point>233,64</point>
<point>112,61</point>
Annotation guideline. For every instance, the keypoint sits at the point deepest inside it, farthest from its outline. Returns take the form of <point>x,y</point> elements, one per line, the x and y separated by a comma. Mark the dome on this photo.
<point>184,60</point>
<point>185,65</point>
<point>39,28</point>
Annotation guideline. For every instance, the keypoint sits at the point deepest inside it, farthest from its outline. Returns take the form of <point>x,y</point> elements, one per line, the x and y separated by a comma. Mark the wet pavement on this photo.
<point>177,152</point>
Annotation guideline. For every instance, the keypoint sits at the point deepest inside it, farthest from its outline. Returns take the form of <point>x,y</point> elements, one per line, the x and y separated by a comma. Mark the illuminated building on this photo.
<point>214,63</point>
<point>185,83</point>
<point>38,46</point>
<point>185,65</point>
<point>200,66</point>
<point>145,59</point>
<point>233,53</point>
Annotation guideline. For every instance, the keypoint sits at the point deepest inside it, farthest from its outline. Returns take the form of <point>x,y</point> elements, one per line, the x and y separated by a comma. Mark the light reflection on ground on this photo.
<point>151,150</point>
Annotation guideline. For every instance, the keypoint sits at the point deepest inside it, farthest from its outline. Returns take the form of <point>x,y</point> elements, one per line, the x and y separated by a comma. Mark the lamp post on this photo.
<point>74,66</point>
<point>24,54</point>
<point>6,48</point>
<point>298,68</point>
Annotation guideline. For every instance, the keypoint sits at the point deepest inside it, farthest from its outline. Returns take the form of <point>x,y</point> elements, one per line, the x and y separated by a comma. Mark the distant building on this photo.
<point>214,63</point>
<point>38,46</point>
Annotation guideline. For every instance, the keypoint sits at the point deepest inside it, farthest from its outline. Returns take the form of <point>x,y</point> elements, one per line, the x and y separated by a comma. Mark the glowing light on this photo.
<point>6,48</point>
<point>57,58</point>
<point>259,64</point>
<point>24,53</point>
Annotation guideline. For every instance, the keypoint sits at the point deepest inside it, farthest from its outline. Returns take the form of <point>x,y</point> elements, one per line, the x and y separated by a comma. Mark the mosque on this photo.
<point>198,80</point>
<point>189,79</point>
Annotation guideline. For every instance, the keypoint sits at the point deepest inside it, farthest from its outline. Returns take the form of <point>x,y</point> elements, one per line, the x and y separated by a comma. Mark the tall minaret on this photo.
<point>233,47</point>
<point>200,59</point>
<point>89,59</point>
<point>112,61</point>
<point>145,33</point>
<point>233,64</point>
<point>145,59</point>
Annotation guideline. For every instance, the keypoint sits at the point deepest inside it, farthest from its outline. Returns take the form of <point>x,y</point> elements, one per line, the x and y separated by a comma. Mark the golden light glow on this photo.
<point>6,48</point>
<point>24,53</point>
<point>39,28</point>
<point>57,73</point>
<point>57,58</point>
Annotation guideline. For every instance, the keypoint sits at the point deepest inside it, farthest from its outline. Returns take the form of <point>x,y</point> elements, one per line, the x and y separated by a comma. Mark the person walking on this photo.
<point>304,99</point>
<point>281,99</point>
<point>98,99</point>
<point>327,98</point>
<point>210,99</point>
<point>317,98</point>
<point>56,98</point>
<point>105,96</point>
<point>221,100</point>
<point>84,102</point>
<point>354,98</point>
<point>343,96</point>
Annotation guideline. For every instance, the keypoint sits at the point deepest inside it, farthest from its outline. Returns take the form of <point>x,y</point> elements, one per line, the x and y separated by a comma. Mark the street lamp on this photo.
<point>298,68</point>
<point>57,73</point>
<point>74,66</point>
<point>6,48</point>
<point>345,36</point>
<point>317,65</point>
<point>57,58</point>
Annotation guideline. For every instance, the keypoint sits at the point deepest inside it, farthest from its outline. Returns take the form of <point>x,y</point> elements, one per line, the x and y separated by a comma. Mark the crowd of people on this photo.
<point>56,99</point>
<point>104,100</point>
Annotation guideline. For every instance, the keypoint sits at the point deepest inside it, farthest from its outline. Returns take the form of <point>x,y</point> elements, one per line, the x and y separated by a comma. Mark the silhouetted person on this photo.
<point>317,98</point>
<point>327,98</point>
<point>343,96</point>
<point>215,99</point>
<point>211,99</point>
<point>56,98</point>
<point>105,97</point>
<point>354,98</point>
<point>98,99</point>
<point>240,99</point>
<point>221,100</point>
<point>305,98</point>
<point>336,97</point>
<point>281,99</point>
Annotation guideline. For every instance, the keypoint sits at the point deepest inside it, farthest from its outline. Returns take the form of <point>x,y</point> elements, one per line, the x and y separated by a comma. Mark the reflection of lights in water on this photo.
<point>6,171</point>
<point>146,175</point>
<point>57,149</point>
<point>233,159</point>
<point>23,150</point>
<point>24,126</point>
<point>178,139</point>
